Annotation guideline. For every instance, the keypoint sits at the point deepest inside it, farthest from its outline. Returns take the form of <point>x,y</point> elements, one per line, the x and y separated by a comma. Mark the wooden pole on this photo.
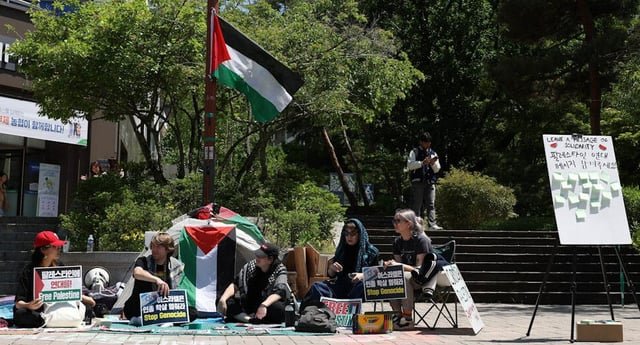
<point>209,135</point>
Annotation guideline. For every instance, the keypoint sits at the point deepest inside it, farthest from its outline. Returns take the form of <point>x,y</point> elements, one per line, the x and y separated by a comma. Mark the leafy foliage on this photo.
<point>631,196</point>
<point>467,199</point>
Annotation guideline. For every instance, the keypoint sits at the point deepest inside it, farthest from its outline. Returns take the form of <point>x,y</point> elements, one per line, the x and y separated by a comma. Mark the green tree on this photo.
<point>137,60</point>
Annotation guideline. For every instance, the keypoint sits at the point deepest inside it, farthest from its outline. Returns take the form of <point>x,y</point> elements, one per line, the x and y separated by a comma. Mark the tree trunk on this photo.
<point>181,152</point>
<point>336,165</point>
<point>594,76</point>
<point>152,164</point>
<point>248,163</point>
<point>356,166</point>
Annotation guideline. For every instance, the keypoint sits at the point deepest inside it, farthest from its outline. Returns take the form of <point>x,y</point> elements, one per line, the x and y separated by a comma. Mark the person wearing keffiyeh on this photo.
<point>261,288</point>
<point>354,252</point>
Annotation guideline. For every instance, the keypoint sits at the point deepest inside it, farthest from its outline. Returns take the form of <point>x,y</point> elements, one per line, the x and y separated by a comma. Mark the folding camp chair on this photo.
<point>442,294</point>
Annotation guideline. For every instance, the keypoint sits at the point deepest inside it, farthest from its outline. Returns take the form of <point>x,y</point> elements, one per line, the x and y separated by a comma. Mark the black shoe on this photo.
<point>421,280</point>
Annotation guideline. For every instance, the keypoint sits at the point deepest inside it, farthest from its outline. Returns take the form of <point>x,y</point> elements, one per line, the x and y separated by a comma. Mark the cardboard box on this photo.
<point>372,323</point>
<point>323,263</point>
<point>602,330</point>
<point>313,257</point>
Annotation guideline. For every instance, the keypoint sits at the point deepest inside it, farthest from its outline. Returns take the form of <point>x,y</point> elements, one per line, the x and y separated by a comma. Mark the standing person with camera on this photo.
<point>423,165</point>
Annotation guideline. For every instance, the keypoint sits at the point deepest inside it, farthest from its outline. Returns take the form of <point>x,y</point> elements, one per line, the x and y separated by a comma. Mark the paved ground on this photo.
<point>504,324</point>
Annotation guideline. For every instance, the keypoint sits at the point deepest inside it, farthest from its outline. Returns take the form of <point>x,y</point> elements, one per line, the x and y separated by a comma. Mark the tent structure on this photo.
<point>213,248</point>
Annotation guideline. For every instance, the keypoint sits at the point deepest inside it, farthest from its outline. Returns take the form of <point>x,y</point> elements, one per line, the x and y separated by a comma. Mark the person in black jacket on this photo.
<point>354,252</point>
<point>27,310</point>
<point>159,271</point>
<point>262,289</point>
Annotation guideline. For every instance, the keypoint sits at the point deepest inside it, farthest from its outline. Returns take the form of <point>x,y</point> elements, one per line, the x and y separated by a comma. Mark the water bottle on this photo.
<point>90,244</point>
<point>289,315</point>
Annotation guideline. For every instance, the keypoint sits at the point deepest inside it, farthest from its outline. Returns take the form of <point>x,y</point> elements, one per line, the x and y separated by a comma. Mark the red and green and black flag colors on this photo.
<point>239,63</point>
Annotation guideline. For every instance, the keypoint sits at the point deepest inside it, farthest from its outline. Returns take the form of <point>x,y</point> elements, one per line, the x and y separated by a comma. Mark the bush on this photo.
<point>305,217</point>
<point>118,211</point>
<point>467,199</point>
<point>631,196</point>
<point>125,223</point>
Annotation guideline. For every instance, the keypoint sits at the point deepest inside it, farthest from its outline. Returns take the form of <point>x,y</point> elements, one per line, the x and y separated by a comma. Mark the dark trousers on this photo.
<point>275,312</point>
<point>26,318</point>
<point>341,288</point>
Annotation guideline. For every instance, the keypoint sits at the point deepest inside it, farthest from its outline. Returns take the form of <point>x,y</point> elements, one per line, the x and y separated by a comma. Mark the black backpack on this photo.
<point>317,318</point>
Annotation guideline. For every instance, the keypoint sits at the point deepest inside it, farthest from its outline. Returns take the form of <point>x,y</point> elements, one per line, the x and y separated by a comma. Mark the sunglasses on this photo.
<point>398,220</point>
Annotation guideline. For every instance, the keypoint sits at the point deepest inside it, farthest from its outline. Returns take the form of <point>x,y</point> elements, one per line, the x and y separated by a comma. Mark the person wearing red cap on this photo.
<point>263,288</point>
<point>27,311</point>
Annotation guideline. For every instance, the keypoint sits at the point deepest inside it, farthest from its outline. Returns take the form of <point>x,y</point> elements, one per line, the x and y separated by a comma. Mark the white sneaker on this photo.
<point>435,227</point>
<point>402,323</point>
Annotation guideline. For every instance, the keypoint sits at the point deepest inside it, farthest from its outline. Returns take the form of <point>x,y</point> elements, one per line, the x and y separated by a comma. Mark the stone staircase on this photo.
<point>509,266</point>
<point>16,242</point>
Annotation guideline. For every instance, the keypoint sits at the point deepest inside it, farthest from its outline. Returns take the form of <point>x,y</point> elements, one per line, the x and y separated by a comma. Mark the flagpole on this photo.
<point>209,135</point>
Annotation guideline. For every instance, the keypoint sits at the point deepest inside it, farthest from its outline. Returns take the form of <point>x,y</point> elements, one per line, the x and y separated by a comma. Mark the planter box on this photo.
<point>605,330</point>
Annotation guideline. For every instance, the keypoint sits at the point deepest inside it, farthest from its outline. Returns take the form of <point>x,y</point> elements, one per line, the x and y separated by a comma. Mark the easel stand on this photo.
<point>573,287</point>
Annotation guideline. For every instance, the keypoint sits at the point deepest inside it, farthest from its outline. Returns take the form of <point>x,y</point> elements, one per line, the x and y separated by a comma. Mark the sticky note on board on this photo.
<point>615,187</point>
<point>573,199</point>
<point>559,200</point>
<point>597,188</point>
<point>584,196</point>
<point>595,204</point>
<point>594,177</point>
<point>557,177</point>
<point>584,177</point>
<point>566,186</point>
<point>604,177</point>
<point>581,215</point>
<point>606,196</point>
<point>586,187</point>
<point>572,178</point>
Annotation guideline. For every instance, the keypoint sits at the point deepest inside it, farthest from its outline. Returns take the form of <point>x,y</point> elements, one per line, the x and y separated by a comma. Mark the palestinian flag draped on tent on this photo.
<point>213,249</point>
<point>241,64</point>
<point>203,250</point>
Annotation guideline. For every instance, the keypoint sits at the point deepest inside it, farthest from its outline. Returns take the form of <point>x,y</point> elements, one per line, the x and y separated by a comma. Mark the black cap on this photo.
<point>267,249</point>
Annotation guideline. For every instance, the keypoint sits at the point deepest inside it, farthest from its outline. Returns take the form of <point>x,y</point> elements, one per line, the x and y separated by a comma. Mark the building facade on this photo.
<point>45,158</point>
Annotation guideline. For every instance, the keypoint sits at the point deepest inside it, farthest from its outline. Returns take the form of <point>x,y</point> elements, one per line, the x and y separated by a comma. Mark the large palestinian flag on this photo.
<point>241,64</point>
<point>208,254</point>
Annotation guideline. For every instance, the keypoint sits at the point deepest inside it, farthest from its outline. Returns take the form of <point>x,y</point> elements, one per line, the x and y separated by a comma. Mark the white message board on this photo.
<point>586,190</point>
<point>464,296</point>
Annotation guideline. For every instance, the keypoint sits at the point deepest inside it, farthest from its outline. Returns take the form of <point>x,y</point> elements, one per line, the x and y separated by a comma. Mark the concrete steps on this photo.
<point>501,266</point>
<point>16,242</point>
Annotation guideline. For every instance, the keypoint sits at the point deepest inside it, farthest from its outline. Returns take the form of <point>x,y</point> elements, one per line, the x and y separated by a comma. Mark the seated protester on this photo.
<point>263,290</point>
<point>354,252</point>
<point>159,271</point>
<point>410,250</point>
<point>27,311</point>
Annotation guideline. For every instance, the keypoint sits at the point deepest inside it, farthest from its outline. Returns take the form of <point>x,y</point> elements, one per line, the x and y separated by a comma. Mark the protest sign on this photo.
<point>464,296</point>
<point>384,284</point>
<point>343,308</point>
<point>57,284</point>
<point>157,309</point>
